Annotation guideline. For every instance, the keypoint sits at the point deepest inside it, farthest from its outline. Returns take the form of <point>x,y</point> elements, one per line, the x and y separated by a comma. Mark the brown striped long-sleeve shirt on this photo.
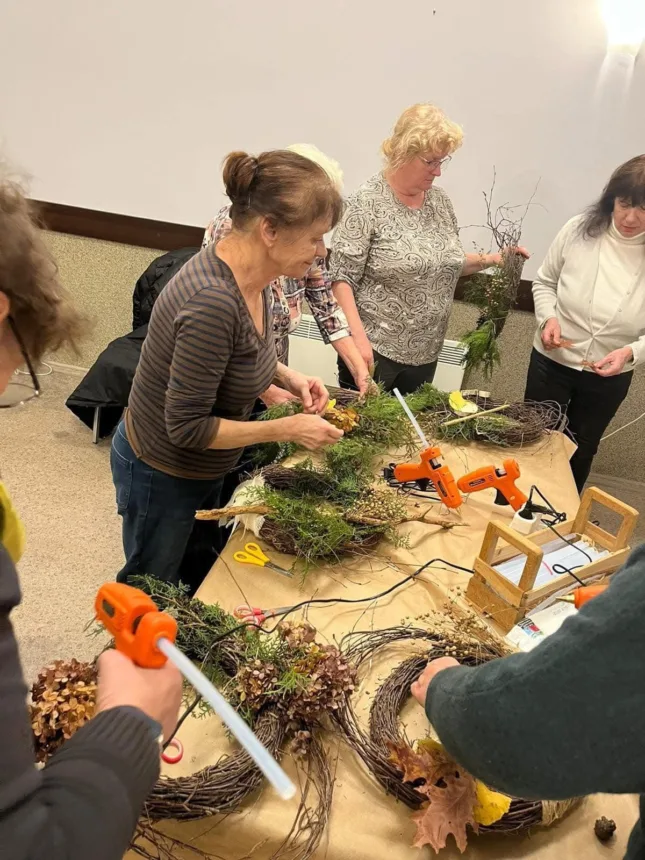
<point>203,359</point>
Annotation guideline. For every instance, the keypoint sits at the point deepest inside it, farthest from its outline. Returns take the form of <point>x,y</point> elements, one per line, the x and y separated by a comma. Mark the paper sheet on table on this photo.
<point>570,556</point>
<point>365,823</point>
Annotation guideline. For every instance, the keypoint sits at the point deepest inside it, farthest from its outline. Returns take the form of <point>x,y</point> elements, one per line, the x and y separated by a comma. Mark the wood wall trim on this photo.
<point>111,227</point>
<point>146,233</point>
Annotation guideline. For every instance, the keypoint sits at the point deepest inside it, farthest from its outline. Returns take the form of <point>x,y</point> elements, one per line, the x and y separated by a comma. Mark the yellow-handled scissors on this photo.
<point>252,554</point>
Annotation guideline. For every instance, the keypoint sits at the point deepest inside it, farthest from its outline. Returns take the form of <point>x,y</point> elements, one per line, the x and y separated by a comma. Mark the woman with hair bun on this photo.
<point>209,353</point>
<point>288,294</point>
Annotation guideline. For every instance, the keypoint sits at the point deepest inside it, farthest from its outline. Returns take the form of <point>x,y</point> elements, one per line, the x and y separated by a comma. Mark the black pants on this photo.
<point>391,374</point>
<point>590,401</point>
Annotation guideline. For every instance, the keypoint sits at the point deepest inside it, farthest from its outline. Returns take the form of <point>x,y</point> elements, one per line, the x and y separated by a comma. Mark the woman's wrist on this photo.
<point>281,374</point>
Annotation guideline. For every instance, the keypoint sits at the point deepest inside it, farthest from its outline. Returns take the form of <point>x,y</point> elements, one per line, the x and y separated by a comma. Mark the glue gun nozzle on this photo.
<point>567,598</point>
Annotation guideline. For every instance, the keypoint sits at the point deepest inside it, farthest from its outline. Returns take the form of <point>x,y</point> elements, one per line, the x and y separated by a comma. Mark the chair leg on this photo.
<point>96,424</point>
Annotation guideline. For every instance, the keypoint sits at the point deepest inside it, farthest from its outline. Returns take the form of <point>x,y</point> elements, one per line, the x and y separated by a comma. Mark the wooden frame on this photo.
<point>505,603</point>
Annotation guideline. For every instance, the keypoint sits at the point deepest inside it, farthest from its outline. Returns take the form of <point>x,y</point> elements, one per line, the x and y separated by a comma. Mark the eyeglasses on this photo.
<point>435,163</point>
<point>17,393</point>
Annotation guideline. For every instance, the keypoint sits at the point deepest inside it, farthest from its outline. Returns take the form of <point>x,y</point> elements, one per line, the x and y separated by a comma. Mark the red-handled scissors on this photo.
<point>257,616</point>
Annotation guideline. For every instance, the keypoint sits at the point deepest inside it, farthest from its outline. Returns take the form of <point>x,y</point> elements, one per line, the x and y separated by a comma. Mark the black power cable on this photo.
<point>312,602</point>
<point>557,517</point>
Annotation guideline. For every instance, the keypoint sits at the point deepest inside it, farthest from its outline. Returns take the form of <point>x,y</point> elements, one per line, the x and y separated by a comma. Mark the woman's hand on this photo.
<point>309,389</point>
<point>420,687</point>
<point>614,363</point>
<point>551,335</point>
<point>276,396</point>
<point>474,263</point>
<point>348,350</point>
<point>518,250</point>
<point>312,431</point>
<point>156,692</point>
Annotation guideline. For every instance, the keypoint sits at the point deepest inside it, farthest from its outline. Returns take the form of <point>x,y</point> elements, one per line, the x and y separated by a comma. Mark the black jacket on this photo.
<point>107,383</point>
<point>153,280</point>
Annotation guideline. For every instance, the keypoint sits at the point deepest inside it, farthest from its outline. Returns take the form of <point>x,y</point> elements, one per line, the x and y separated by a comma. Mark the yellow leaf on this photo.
<point>430,745</point>
<point>460,405</point>
<point>490,805</point>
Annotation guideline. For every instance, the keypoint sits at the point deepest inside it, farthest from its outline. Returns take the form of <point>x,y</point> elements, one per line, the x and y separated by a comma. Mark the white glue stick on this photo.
<point>258,752</point>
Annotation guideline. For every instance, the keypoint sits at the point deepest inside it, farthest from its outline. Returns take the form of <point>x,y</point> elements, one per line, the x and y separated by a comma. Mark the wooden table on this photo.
<point>365,823</point>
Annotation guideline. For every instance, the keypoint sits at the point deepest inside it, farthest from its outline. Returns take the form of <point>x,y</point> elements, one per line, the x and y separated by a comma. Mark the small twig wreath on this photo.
<point>220,788</point>
<point>472,645</point>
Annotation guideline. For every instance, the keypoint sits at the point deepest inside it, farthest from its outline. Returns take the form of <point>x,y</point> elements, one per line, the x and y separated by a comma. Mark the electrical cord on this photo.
<point>557,517</point>
<point>326,601</point>
<point>624,427</point>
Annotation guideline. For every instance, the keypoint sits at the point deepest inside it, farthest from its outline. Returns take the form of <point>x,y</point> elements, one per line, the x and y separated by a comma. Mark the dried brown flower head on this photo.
<point>63,699</point>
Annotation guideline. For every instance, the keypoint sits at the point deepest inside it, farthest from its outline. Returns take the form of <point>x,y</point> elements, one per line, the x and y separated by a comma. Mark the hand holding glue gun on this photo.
<point>146,637</point>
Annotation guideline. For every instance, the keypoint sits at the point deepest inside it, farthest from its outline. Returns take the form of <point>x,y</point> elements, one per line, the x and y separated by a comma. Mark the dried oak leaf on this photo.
<point>430,762</point>
<point>450,811</point>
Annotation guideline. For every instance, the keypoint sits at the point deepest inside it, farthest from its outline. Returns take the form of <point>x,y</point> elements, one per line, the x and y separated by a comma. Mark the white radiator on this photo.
<point>309,354</point>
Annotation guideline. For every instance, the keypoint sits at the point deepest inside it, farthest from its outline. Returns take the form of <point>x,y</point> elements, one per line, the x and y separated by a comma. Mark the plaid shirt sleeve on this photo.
<point>219,227</point>
<point>328,313</point>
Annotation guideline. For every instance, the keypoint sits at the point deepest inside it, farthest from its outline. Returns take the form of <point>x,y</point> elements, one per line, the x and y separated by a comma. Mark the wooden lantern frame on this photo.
<point>504,603</point>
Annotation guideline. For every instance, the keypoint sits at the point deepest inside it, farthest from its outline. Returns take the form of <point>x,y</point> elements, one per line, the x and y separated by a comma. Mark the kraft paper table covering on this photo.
<point>365,822</point>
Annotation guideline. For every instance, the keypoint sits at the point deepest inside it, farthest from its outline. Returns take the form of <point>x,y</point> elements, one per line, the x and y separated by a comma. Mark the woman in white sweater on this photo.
<point>589,299</point>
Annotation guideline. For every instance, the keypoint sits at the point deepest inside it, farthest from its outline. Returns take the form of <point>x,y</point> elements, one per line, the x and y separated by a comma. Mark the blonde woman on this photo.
<point>396,255</point>
<point>288,294</point>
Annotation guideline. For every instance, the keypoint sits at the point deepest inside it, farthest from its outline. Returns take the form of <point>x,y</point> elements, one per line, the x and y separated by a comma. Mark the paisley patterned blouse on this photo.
<point>403,265</point>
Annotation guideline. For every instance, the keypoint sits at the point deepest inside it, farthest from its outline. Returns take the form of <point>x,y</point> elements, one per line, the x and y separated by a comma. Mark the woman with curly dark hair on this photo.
<point>86,801</point>
<point>589,299</point>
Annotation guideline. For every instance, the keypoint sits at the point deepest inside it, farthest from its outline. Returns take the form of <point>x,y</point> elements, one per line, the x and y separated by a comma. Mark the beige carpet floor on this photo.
<point>61,484</point>
<point>62,487</point>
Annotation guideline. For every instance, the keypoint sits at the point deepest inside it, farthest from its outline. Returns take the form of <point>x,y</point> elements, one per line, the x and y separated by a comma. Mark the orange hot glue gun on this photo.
<point>500,479</point>
<point>583,594</point>
<point>147,636</point>
<point>135,622</point>
<point>429,471</point>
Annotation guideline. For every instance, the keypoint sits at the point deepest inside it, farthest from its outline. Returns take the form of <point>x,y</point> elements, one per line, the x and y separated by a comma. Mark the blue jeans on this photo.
<point>161,537</point>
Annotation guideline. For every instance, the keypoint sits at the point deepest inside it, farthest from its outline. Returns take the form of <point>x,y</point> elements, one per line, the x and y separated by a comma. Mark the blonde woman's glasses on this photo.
<point>435,163</point>
<point>17,393</point>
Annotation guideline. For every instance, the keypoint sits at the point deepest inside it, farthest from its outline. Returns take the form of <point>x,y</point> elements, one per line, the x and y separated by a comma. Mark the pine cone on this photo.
<point>605,828</point>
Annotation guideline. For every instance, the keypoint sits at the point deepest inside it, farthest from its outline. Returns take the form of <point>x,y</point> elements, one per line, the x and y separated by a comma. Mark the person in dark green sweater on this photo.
<point>562,721</point>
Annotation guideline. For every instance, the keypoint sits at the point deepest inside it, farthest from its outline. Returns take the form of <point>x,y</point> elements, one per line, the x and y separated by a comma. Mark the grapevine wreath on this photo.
<point>283,683</point>
<point>320,511</point>
<point>424,777</point>
<point>286,683</point>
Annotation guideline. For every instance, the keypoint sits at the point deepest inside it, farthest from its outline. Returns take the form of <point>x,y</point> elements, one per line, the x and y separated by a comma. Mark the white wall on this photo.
<point>130,105</point>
